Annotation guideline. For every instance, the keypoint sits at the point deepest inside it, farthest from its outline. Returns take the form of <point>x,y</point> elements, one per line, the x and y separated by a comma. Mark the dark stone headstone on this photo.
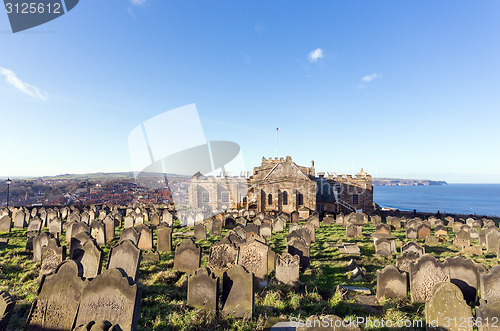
<point>130,234</point>
<point>90,256</point>
<point>187,256</point>
<point>6,308</point>
<point>203,290</point>
<point>164,241</point>
<point>297,246</point>
<point>238,292</point>
<point>223,256</point>
<point>464,274</point>
<point>125,256</point>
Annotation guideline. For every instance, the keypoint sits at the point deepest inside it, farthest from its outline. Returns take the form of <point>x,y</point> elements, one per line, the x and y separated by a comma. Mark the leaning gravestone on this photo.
<point>424,274</point>
<point>238,292</point>
<point>288,269</point>
<point>125,256</point>
<point>465,275</point>
<point>187,256</point>
<point>5,224</point>
<point>391,283</point>
<point>56,305</point>
<point>6,308</point>
<point>203,290</point>
<point>253,256</point>
<point>90,256</point>
<point>112,298</point>
<point>446,305</point>
<point>164,241</point>
<point>77,242</point>
<point>52,255</point>
<point>490,284</point>
<point>130,234</point>
<point>297,246</point>
<point>223,256</point>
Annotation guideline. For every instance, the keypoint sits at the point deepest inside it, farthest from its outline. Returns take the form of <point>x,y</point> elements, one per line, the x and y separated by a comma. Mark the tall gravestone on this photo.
<point>55,226</point>
<point>164,241</point>
<point>98,232</point>
<point>109,225</point>
<point>56,305</point>
<point>200,232</point>
<point>110,297</point>
<point>223,256</point>
<point>187,256</point>
<point>6,308</point>
<point>288,268</point>
<point>125,256</point>
<point>52,256</point>
<point>203,290</point>
<point>253,256</point>
<point>465,275</point>
<point>490,284</point>
<point>5,224</point>
<point>391,283</point>
<point>90,256</point>
<point>297,246</point>
<point>424,274</point>
<point>39,241</point>
<point>238,297</point>
<point>145,237</point>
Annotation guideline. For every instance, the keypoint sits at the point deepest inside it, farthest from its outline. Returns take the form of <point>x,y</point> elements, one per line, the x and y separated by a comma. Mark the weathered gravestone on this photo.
<point>383,246</point>
<point>424,274</point>
<point>391,283</point>
<point>298,246</point>
<point>229,223</point>
<point>19,220</point>
<point>353,231</point>
<point>78,228</point>
<point>446,305</point>
<point>98,232</point>
<point>145,237</point>
<point>383,229</point>
<point>216,227</point>
<point>90,256</point>
<point>56,305</point>
<point>462,239</point>
<point>109,228</point>
<point>155,219</point>
<point>131,234</point>
<point>35,225</point>
<point>440,231</point>
<point>431,240</point>
<point>411,233</point>
<point>55,226</point>
<point>394,222</point>
<point>6,308</point>
<point>187,256</point>
<point>223,256</point>
<point>288,269</point>
<point>200,232</point>
<point>52,255</point>
<point>265,230</point>
<point>112,298</point>
<point>349,249</point>
<point>128,221</point>
<point>307,235</point>
<point>294,217</point>
<point>203,290</point>
<point>487,315</point>
<point>423,230</point>
<point>238,292</point>
<point>253,256</point>
<point>164,241</point>
<point>77,242</point>
<point>465,275</point>
<point>413,246</point>
<point>5,224</point>
<point>492,238</point>
<point>39,241</point>
<point>125,256</point>
<point>251,229</point>
<point>490,284</point>
<point>167,218</point>
<point>278,225</point>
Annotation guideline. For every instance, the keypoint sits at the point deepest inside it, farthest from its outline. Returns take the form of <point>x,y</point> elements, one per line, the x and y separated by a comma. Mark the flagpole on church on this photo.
<point>277,129</point>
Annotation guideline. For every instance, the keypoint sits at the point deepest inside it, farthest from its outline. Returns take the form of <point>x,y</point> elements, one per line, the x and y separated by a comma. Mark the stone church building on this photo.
<point>281,185</point>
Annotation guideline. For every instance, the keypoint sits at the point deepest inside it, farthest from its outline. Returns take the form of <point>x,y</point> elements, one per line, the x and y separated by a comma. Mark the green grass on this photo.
<point>163,305</point>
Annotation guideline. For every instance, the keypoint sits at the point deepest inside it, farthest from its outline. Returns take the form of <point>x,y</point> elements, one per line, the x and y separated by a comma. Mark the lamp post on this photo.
<point>8,181</point>
<point>277,129</point>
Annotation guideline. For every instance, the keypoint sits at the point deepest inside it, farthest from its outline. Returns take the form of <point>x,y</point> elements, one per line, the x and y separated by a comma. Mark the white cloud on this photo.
<point>315,55</point>
<point>369,78</point>
<point>12,79</point>
<point>138,2</point>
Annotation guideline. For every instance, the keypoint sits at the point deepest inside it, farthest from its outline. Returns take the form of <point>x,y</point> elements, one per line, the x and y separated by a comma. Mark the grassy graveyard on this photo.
<point>163,304</point>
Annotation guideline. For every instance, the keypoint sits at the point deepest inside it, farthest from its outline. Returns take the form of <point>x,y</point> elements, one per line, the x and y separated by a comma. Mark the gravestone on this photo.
<point>492,238</point>
<point>55,226</point>
<point>145,237</point>
<point>167,218</point>
<point>314,220</point>
<point>7,305</point>
<point>253,256</point>
<point>216,227</point>
<point>288,269</point>
<point>77,242</point>
<point>391,283</point>
<point>472,250</point>
<point>187,256</point>
<point>39,241</point>
<point>128,221</point>
<point>98,232</point>
<point>56,305</point>
<point>413,246</point>
<point>383,246</point>
<point>164,241</point>
<point>394,222</point>
<point>423,231</point>
<point>238,292</point>
<point>90,256</point>
<point>465,275</point>
<point>229,223</point>
<point>200,232</point>
<point>130,234</point>
<point>446,305</point>
<point>294,217</point>
<point>265,230</point>
<point>223,256</point>
<point>52,255</point>
<point>278,225</point>
<point>251,229</point>
<point>35,225</point>
<point>411,233</point>
<point>203,290</point>
<point>109,228</point>
<point>440,231</point>
<point>78,228</point>
<point>5,224</point>
<point>110,297</point>
<point>424,274</point>
<point>298,246</point>
<point>125,256</point>
<point>349,249</point>
<point>487,314</point>
<point>431,240</point>
<point>490,284</point>
<point>19,220</point>
<point>462,239</point>
<point>155,219</point>
<point>383,229</point>
<point>311,234</point>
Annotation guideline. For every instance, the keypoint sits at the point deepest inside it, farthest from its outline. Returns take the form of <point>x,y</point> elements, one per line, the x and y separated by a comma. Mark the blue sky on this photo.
<point>401,88</point>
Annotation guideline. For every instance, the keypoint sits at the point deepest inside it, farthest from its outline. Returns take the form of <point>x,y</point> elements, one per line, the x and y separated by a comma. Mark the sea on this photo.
<point>468,199</point>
